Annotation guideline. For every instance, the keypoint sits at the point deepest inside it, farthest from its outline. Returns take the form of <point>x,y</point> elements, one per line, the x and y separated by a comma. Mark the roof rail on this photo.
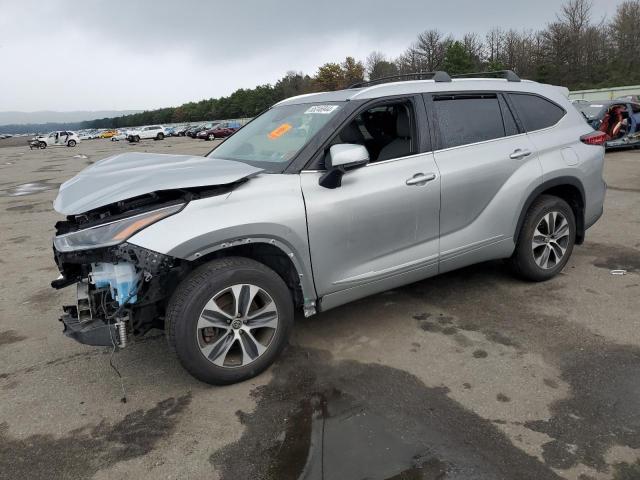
<point>437,76</point>
<point>508,75</point>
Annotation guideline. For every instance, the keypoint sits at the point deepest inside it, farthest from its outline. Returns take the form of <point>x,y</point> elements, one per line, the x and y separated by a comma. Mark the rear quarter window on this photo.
<point>536,112</point>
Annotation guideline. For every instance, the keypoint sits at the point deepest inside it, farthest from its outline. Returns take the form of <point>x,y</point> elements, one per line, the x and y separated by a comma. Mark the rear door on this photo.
<point>485,161</point>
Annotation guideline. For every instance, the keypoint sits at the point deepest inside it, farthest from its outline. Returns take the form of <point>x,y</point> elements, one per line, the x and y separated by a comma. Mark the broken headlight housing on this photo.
<point>111,233</point>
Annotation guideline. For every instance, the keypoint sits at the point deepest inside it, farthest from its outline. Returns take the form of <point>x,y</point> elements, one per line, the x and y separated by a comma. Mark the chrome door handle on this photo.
<point>519,153</point>
<point>420,179</point>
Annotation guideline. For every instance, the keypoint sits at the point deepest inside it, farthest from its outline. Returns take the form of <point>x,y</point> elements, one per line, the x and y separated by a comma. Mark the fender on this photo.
<point>543,187</point>
<point>304,274</point>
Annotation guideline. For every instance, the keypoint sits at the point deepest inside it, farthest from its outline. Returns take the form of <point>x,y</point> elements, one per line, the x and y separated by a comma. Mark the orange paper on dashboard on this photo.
<point>281,130</point>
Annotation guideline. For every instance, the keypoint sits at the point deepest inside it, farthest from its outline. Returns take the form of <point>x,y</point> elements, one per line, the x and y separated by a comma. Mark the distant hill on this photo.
<point>46,116</point>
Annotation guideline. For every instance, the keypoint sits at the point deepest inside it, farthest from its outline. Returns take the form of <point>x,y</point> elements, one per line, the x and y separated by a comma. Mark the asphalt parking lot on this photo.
<point>470,375</point>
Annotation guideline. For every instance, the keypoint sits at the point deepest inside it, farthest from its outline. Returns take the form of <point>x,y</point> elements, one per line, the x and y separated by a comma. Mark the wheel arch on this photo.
<point>571,190</point>
<point>274,254</point>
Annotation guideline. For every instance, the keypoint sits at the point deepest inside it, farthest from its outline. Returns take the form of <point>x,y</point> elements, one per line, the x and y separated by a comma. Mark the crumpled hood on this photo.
<point>129,175</point>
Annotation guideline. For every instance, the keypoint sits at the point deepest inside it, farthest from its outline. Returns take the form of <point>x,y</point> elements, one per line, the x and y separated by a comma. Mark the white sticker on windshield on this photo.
<point>323,109</point>
<point>596,106</point>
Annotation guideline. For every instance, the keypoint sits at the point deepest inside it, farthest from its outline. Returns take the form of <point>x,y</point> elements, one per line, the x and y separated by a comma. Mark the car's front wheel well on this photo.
<point>271,256</point>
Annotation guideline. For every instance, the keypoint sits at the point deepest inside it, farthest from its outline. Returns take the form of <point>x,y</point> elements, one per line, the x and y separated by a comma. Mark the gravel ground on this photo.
<point>470,375</point>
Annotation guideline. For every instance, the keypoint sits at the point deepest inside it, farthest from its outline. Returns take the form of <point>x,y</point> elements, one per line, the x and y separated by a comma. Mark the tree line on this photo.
<point>576,50</point>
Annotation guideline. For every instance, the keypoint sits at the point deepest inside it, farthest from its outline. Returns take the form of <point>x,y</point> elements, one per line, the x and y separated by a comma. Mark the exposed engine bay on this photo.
<point>122,289</point>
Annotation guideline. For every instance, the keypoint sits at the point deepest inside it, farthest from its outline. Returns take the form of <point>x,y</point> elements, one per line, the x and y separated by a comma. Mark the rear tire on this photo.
<point>214,344</point>
<point>546,239</point>
<point>71,143</point>
<point>160,136</point>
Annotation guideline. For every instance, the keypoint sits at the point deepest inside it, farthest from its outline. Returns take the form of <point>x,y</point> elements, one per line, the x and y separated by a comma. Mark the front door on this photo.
<point>379,229</point>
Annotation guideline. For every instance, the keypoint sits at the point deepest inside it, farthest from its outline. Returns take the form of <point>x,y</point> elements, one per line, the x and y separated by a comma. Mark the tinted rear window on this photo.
<point>536,112</point>
<point>468,119</point>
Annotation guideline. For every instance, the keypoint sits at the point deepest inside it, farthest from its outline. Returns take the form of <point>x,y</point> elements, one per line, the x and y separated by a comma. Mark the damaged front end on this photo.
<point>121,288</point>
<point>120,292</point>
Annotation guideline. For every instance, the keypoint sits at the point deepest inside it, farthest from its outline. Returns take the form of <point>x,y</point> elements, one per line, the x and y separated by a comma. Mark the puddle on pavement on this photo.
<point>10,336</point>
<point>49,168</point>
<point>83,452</point>
<point>603,409</point>
<point>613,257</point>
<point>319,419</point>
<point>28,189</point>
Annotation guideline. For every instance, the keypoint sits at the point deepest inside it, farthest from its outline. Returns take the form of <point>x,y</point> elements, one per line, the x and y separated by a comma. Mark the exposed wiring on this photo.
<point>113,351</point>
<point>113,342</point>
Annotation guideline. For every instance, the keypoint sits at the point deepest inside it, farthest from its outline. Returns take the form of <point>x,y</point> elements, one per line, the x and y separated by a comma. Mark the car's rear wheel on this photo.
<point>229,320</point>
<point>160,136</point>
<point>71,143</point>
<point>546,239</point>
<point>211,137</point>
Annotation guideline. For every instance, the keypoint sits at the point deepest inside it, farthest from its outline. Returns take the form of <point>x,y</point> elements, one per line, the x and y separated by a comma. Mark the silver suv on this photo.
<point>321,200</point>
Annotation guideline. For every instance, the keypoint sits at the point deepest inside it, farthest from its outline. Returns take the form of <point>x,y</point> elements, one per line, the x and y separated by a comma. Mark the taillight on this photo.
<point>595,138</point>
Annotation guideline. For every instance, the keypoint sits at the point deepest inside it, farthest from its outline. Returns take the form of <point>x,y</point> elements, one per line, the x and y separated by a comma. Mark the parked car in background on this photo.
<point>203,133</point>
<point>219,130</point>
<point>88,134</point>
<point>60,138</point>
<point>179,131</point>
<point>367,191</point>
<point>176,130</point>
<point>193,131</point>
<point>579,101</point>
<point>155,132</point>
<point>120,135</point>
<point>618,119</point>
<point>108,134</point>
<point>630,98</point>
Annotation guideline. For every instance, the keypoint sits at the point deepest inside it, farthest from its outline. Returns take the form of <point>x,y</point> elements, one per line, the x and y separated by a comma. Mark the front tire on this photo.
<point>229,319</point>
<point>546,239</point>
<point>42,145</point>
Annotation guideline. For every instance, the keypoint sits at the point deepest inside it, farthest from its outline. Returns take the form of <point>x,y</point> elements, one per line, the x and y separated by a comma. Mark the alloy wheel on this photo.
<point>550,240</point>
<point>237,325</point>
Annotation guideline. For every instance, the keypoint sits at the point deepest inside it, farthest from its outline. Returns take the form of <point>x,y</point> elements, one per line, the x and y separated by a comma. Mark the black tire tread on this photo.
<point>182,294</point>
<point>516,261</point>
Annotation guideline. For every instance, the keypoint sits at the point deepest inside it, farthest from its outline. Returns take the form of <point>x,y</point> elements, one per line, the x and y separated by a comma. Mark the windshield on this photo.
<point>276,136</point>
<point>590,111</point>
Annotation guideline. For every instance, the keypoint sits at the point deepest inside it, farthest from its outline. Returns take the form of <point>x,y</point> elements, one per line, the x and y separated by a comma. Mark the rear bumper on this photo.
<point>592,221</point>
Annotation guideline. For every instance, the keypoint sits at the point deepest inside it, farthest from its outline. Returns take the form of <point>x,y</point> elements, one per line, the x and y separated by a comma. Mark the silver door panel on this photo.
<point>354,293</point>
<point>375,225</point>
<point>484,186</point>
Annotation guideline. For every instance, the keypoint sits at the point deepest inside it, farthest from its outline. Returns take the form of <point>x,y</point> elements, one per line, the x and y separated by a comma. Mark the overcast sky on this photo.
<point>90,55</point>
